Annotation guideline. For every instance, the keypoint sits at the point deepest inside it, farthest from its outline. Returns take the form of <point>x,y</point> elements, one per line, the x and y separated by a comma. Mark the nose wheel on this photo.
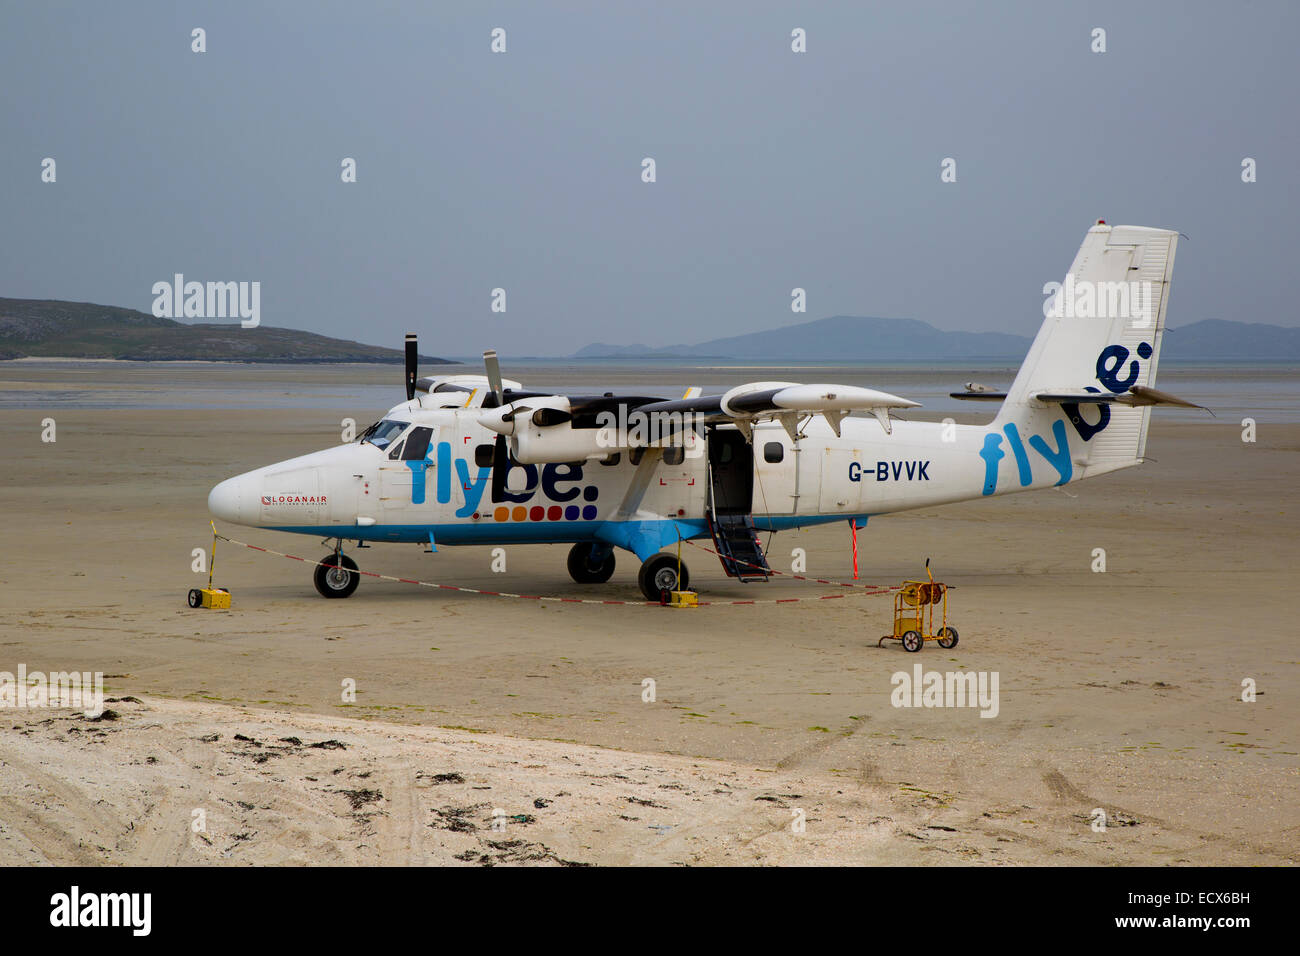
<point>659,573</point>
<point>336,576</point>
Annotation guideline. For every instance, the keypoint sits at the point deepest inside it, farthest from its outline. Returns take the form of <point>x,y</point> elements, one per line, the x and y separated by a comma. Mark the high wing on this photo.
<point>540,428</point>
<point>561,428</point>
<point>787,402</point>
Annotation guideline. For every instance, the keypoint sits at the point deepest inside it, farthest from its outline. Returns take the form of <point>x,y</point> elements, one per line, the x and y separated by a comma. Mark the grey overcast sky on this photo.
<point>522,170</point>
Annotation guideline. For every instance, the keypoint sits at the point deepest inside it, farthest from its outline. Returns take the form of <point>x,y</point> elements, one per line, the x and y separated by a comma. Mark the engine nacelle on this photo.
<point>532,445</point>
<point>541,431</point>
<point>749,389</point>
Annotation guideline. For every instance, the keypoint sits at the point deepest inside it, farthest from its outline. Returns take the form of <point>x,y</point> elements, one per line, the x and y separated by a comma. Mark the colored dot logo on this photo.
<point>550,513</point>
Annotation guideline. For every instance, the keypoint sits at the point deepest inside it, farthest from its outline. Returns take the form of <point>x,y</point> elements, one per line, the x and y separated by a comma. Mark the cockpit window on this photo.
<point>381,434</point>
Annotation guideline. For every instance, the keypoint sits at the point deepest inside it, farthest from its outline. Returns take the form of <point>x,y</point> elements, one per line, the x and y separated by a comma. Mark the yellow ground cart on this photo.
<point>209,596</point>
<point>914,614</point>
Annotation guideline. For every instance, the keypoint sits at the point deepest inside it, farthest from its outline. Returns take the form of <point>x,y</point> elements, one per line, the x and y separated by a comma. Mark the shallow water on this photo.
<point>1266,392</point>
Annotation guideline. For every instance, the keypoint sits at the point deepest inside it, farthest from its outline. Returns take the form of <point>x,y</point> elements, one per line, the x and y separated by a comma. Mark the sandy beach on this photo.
<point>1118,690</point>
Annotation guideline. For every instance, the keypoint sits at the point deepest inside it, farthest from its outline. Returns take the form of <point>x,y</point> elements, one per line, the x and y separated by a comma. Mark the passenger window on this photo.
<point>674,455</point>
<point>417,444</point>
<point>613,459</point>
<point>483,455</point>
<point>773,452</point>
<point>634,455</point>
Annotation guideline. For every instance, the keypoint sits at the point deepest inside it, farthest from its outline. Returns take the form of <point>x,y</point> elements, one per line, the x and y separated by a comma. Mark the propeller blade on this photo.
<point>500,465</point>
<point>493,368</point>
<point>412,363</point>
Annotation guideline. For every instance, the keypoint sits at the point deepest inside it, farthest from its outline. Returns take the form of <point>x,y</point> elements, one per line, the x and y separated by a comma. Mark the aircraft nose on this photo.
<point>225,501</point>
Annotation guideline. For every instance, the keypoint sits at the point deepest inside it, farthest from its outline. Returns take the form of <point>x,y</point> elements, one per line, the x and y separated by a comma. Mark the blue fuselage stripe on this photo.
<point>526,532</point>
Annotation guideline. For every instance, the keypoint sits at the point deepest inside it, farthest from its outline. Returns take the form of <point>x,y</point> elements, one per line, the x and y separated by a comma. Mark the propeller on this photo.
<point>412,362</point>
<point>493,368</point>
<point>501,462</point>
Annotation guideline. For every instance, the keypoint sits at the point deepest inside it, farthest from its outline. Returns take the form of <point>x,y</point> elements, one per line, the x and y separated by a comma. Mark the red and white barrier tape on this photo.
<point>869,589</point>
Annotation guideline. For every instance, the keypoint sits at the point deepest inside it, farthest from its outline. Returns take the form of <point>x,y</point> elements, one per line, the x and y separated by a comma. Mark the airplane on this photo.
<point>480,460</point>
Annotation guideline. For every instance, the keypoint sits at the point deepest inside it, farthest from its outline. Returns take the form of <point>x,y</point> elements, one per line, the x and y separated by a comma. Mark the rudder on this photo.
<point>1102,335</point>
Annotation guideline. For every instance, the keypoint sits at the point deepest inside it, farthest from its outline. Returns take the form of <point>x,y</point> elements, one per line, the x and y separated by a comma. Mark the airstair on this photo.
<point>736,540</point>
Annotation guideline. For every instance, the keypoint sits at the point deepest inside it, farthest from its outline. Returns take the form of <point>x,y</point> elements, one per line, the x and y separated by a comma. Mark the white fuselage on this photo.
<point>359,491</point>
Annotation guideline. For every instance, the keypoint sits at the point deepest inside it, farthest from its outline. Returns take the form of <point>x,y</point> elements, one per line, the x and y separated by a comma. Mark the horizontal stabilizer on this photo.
<point>978,396</point>
<point>1137,396</point>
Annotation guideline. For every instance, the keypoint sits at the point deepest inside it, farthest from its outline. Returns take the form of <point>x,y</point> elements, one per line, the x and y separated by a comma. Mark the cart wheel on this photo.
<point>947,637</point>
<point>912,640</point>
<point>195,597</point>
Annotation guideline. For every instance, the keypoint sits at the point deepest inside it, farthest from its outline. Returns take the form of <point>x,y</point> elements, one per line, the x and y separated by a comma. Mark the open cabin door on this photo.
<point>731,505</point>
<point>731,472</point>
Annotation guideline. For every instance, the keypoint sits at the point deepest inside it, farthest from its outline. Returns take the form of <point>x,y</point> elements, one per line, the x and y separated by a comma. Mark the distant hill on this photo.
<point>847,337</point>
<point>37,327</point>
<point>861,338</point>
<point>1228,341</point>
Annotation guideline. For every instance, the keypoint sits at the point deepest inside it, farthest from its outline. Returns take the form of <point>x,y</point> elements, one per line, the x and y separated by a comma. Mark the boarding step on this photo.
<point>736,541</point>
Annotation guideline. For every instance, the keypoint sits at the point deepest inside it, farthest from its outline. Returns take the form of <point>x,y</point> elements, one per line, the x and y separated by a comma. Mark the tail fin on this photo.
<point>1102,335</point>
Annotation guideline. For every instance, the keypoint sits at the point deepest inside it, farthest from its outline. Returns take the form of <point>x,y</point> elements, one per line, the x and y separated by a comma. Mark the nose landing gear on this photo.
<point>336,576</point>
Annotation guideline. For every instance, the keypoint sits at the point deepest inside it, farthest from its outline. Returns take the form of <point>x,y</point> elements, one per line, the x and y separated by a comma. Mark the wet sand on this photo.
<point>1118,690</point>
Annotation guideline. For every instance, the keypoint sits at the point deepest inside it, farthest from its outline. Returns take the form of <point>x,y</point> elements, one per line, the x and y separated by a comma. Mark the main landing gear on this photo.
<point>587,565</point>
<point>336,576</point>
<point>660,573</point>
<point>592,564</point>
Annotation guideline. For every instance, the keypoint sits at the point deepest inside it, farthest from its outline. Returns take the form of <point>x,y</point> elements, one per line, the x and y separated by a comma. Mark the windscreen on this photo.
<point>381,434</point>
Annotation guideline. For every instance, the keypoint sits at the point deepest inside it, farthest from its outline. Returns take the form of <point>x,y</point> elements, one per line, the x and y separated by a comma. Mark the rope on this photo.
<point>558,600</point>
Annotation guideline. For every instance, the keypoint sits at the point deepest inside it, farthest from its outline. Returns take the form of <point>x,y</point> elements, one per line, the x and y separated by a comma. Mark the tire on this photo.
<point>947,637</point>
<point>659,574</point>
<point>336,580</point>
<point>912,641</point>
<point>195,597</point>
<point>580,568</point>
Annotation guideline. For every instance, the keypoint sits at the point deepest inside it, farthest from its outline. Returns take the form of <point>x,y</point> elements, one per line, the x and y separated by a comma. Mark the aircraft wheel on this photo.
<point>195,597</point>
<point>659,574</point>
<point>337,578</point>
<point>947,637</point>
<point>580,567</point>
<point>912,641</point>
